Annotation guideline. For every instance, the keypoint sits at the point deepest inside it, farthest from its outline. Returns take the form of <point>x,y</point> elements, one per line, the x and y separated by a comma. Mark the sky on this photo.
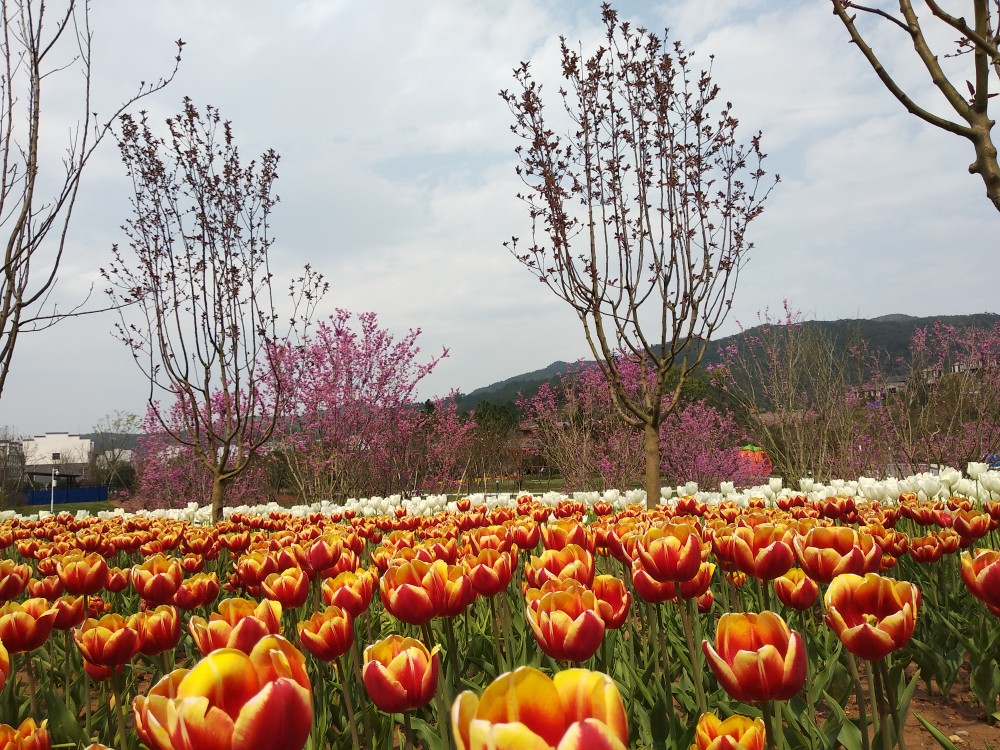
<point>397,173</point>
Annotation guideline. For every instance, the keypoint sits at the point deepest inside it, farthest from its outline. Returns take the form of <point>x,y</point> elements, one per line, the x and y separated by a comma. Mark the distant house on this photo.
<point>63,452</point>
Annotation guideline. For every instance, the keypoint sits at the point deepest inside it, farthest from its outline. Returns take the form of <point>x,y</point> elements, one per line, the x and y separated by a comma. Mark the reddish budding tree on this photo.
<point>349,424</point>
<point>639,213</point>
<point>802,398</point>
<point>199,313</point>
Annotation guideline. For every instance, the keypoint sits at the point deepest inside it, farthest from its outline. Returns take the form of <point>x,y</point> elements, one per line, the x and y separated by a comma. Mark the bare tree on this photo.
<point>38,194</point>
<point>114,441</point>
<point>980,42</point>
<point>199,278</point>
<point>639,213</point>
<point>12,466</point>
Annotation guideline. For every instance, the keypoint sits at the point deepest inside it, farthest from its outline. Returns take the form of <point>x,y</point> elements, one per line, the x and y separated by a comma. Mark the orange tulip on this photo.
<point>351,590</point>
<point>238,624</point>
<point>159,629</point>
<point>199,590</point>
<point>827,551</point>
<point>695,587</point>
<point>971,524</point>
<point>400,674</point>
<point>110,641</point>
<point>649,588</point>
<point>871,615</point>
<point>118,579</point>
<point>763,551</point>
<point>671,552</point>
<point>558,534</point>
<point>524,533</point>
<point>14,579</point>
<point>69,612</point>
<point>414,591</point>
<point>83,574</point>
<point>458,591</point>
<point>26,626</point>
<point>982,575</point>
<point>572,561</point>
<point>290,587</point>
<point>327,635</point>
<point>613,600</point>
<point>49,587</point>
<point>157,579</point>
<point>796,590</point>
<point>926,549</point>
<point>577,709</point>
<point>735,733</point>
<point>229,699</point>
<point>27,736</point>
<point>490,571</point>
<point>757,657</point>
<point>325,552</point>
<point>567,623</point>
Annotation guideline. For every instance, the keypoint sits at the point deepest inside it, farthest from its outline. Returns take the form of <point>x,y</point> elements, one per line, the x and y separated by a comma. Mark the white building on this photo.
<point>56,449</point>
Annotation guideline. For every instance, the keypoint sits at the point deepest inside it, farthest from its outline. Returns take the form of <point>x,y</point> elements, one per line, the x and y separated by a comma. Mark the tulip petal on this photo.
<point>484,735</point>
<point>257,727</point>
<point>525,696</point>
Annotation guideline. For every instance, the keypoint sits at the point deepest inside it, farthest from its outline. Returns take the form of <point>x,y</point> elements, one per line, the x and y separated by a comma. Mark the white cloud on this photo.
<point>397,174</point>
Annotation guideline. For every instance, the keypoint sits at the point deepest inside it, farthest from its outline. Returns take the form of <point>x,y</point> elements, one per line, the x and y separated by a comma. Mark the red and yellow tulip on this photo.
<point>871,615</point>
<point>575,710</point>
<point>757,657</point>
<point>230,700</point>
<point>400,674</point>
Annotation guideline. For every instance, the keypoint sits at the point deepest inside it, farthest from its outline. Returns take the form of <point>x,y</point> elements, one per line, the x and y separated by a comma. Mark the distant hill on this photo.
<point>888,334</point>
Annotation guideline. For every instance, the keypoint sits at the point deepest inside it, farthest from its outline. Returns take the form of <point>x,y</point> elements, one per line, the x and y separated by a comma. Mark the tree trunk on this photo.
<point>651,444</point>
<point>218,496</point>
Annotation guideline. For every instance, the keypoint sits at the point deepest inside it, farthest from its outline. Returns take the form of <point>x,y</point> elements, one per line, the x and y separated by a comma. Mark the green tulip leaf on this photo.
<point>937,734</point>
<point>62,723</point>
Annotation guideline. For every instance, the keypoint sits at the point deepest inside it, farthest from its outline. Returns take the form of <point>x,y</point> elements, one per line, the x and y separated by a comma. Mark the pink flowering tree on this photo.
<point>945,407</point>
<point>349,424</point>
<point>577,430</point>
<point>701,444</point>
<point>169,474</point>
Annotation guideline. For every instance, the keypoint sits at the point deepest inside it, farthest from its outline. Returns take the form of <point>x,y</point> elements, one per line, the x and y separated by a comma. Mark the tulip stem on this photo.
<point>118,695</point>
<point>770,740</point>
<point>878,693</point>
<point>668,680</point>
<point>456,668</point>
<point>890,699</point>
<point>67,639</point>
<point>508,631</point>
<point>689,614</point>
<point>348,703</point>
<point>859,695</point>
<point>31,683</point>
<point>408,730</point>
<point>501,663</point>
<point>444,717</point>
<point>356,658</point>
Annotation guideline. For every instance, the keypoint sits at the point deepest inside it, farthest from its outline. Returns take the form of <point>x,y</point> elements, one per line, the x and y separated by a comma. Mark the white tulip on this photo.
<point>975,468</point>
<point>949,476</point>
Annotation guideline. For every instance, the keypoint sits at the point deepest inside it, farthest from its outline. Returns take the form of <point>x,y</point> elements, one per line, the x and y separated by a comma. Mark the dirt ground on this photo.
<point>958,718</point>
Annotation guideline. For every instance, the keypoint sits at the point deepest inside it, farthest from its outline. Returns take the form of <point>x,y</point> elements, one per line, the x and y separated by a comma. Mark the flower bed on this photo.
<point>505,621</point>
